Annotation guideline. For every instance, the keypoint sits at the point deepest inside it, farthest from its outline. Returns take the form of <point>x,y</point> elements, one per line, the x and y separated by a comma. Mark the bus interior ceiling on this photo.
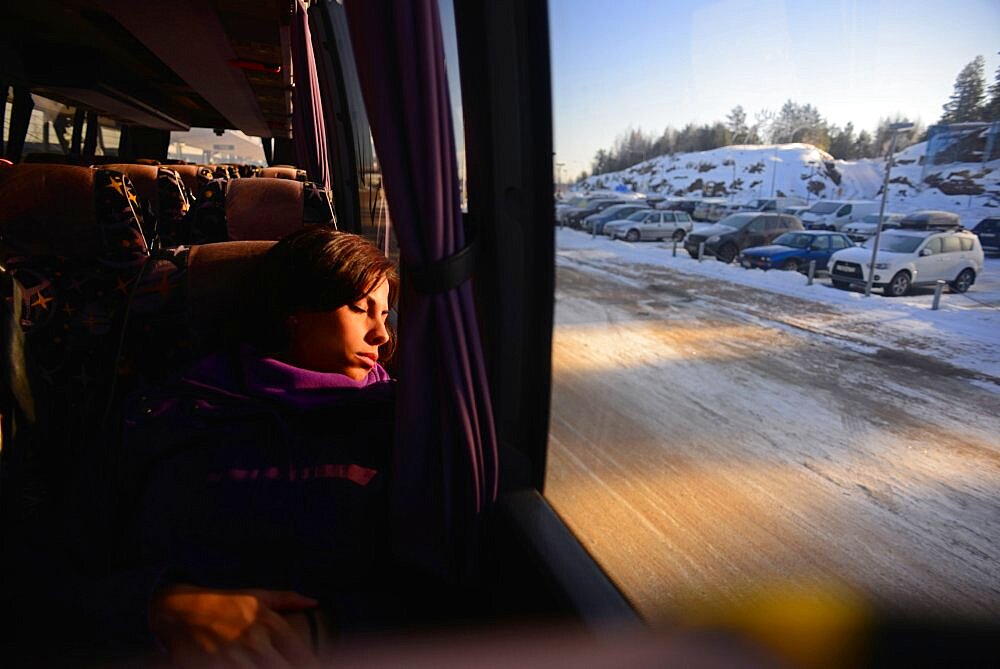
<point>226,64</point>
<point>217,64</point>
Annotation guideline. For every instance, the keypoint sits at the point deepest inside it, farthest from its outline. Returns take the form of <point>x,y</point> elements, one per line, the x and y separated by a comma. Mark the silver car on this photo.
<point>652,224</point>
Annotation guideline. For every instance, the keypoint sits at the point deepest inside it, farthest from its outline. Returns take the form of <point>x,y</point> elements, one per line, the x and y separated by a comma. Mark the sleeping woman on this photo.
<point>255,481</point>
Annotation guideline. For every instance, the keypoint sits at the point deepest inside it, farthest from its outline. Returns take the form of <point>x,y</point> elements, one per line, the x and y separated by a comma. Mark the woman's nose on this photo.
<point>378,335</point>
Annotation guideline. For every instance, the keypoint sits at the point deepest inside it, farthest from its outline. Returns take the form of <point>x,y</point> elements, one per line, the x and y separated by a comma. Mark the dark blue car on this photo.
<point>794,250</point>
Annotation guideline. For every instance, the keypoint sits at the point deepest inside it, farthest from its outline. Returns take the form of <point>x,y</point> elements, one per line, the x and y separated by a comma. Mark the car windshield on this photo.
<point>795,239</point>
<point>638,216</point>
<point>895,243</point>
<point>737,220</point>
<point>824,208</point>
<point>757,204</point>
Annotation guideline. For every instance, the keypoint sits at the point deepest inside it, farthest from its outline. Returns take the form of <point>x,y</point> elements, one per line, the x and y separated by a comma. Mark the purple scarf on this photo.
<point>270,378</point>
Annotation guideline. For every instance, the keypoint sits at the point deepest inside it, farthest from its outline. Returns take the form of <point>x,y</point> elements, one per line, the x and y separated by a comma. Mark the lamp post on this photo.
<point>895,128</point>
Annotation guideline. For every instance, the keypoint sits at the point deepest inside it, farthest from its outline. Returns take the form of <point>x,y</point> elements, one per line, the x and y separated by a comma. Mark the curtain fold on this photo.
<point>308,122</point>
<point>445,460</point>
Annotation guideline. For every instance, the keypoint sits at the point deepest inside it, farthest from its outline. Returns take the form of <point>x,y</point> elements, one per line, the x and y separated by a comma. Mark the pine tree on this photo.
<point>991,112</point>
<point>736,123</point>
<point>842,142</point>
<point>966,102</point>
<point>863,145</point>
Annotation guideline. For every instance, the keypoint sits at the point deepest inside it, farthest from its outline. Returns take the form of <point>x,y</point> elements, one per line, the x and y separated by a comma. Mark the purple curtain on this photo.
<point>308,122</point>
<point>445,461</point>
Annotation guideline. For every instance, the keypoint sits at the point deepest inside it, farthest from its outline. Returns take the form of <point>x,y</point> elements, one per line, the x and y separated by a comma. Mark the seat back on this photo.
<point>72,250</point>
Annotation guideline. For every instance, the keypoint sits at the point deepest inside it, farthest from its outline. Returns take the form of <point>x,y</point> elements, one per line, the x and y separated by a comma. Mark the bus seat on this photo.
<point>283,172</point>
<point>66,210</point>
<point>257,209</point>
<point>164,198</point>
<point>195,177</point>
<point>72,249</point>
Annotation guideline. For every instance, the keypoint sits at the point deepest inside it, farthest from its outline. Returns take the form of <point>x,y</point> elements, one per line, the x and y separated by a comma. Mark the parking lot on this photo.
<point>716,429</point>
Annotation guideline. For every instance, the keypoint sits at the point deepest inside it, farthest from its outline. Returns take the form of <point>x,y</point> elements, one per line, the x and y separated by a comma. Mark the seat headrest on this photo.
<point>143,177</point>
<point>218,276</point>
<point>263,208</point>
<point>64,210</point>
<point>283,172</point>
<point>194,176</point>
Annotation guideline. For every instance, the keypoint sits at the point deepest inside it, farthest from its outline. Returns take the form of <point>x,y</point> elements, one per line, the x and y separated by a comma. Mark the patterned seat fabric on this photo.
<point>256,209</point>
<point>73,250</point>
<point>164,201</point>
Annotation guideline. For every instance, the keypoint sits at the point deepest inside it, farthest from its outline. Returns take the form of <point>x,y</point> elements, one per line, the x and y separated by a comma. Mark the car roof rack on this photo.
<point>930,220</point>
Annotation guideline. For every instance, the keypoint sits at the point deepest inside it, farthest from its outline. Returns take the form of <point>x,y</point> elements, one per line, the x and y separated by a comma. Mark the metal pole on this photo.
<point>675,248</point>
<point>896,127</point>
<point>701,251</point>
<point>937,295</point>
<point>812,272</point>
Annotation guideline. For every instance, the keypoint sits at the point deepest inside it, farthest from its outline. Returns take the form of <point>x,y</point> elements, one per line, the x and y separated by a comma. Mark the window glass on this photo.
<point>821,243</point>
<point>758,225</point>
<point>951,245</point>
<point>967,244</point>
<point>752,434</point>
<point>203,146</point>
<point>50,128</point>
<point>934,246</point>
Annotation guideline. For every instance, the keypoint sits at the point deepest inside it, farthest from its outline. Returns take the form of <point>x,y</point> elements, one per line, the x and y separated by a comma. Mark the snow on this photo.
<point>964,332</point>
<point>745,172</point>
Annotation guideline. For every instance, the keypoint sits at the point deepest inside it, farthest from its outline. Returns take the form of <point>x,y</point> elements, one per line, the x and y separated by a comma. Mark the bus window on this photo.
<point>717,430</point>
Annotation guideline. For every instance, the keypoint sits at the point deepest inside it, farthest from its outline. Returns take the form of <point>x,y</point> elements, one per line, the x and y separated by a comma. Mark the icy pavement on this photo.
<point>964,332</point>
<point>704,444</point>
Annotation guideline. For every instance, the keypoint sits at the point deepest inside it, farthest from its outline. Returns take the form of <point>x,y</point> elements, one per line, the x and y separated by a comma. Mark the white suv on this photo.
<point>909,257</point>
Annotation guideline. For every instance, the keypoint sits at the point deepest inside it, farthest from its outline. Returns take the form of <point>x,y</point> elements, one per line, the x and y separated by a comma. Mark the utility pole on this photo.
<point>895,128</point>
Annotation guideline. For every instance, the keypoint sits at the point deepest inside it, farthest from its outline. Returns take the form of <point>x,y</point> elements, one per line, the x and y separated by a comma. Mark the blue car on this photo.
<point>794,250</point>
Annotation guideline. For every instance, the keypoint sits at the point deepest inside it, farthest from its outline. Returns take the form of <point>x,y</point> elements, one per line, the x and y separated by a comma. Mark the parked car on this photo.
<point>573,217</point>
<point>911,257</point>
<point>835,214</point>
<point>861,230</point>
<point>735,232</point>
<point>685,204</point>
<point>710,209</point>
<point>651,224</point>
<point>773,203</point>
<point>613,213</point>
<point>796,210</point>
<point>988,231</point>
<point>794,250</point>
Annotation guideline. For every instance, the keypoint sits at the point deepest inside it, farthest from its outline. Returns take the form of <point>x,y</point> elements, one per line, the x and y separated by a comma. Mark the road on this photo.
<point>702,447</point>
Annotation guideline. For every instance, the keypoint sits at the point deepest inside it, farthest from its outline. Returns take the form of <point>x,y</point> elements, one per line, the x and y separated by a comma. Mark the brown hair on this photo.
<point>317,268</point>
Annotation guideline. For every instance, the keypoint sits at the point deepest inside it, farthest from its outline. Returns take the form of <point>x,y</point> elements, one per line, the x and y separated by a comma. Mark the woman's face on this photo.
<point>344,340</point>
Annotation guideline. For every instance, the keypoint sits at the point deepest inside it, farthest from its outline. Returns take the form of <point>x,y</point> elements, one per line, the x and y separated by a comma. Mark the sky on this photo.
<point>648,64</point>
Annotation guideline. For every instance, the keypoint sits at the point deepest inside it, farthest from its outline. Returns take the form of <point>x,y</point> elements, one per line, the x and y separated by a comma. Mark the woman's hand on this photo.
<point>240,628</point>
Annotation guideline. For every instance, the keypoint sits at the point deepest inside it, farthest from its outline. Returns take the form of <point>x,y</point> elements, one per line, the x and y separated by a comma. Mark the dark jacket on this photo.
<point>241,472</point>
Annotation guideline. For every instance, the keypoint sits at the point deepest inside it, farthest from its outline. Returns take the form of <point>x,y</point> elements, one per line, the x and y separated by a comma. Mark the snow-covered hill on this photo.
<point>743,172</point>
